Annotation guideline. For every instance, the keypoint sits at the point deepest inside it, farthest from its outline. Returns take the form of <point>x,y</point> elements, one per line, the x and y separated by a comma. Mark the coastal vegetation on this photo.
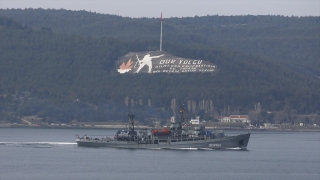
<point>60,66</point>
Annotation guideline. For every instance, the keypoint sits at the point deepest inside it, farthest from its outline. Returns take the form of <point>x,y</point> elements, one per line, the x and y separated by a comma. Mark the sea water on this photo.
<point>32,153</point>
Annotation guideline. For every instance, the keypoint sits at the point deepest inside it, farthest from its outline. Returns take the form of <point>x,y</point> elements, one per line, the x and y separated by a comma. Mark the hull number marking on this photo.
<point>214,145</point>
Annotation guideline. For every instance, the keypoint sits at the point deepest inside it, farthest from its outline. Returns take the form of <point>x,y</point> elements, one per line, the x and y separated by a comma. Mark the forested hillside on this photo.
<point>71,75</point>
<point>292,42</point>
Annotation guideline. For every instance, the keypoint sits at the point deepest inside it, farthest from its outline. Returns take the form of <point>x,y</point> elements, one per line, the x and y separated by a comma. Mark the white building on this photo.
<point>240,118</point>
<point>225,119</point>
<point>236,118</point>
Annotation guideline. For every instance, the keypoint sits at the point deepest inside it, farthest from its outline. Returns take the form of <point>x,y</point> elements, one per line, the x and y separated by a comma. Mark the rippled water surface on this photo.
<point>53,154</point>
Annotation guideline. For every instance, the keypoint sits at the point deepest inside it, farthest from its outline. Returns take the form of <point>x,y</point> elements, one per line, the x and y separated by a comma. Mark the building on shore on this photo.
<point>235,118</point>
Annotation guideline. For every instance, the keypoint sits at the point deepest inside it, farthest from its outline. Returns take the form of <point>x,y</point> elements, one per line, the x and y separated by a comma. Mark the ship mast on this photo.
<point>181,119</point>
<point>131,122</point>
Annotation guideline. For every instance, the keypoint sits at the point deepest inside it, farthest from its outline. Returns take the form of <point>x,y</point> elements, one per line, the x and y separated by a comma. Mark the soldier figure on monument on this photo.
<point>146,61</point>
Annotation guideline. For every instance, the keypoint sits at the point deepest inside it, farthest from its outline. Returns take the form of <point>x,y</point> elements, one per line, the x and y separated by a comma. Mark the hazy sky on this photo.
<point>176,8</point>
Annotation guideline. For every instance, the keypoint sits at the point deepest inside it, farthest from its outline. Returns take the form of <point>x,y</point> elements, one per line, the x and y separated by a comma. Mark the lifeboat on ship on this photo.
<point>164,131</point>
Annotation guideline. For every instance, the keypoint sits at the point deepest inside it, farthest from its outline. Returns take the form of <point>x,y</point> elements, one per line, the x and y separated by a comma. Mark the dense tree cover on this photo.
<point>62,77</point>
<point>292,42</point>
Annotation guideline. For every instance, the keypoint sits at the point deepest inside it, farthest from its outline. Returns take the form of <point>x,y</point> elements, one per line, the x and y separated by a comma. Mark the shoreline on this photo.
<point>17,126</point>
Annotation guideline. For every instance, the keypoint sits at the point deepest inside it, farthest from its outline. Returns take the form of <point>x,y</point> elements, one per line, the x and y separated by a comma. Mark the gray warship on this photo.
<point>179,135</point>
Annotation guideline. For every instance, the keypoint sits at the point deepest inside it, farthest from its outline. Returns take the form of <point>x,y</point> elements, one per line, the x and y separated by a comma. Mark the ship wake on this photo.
<point>38,144</point>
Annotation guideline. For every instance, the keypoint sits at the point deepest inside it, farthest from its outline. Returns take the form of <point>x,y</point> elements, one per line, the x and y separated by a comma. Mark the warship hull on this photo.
<point>227,142</point>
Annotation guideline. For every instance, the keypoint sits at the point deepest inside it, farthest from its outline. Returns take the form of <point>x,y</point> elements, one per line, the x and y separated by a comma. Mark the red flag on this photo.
<point>161,17</point>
